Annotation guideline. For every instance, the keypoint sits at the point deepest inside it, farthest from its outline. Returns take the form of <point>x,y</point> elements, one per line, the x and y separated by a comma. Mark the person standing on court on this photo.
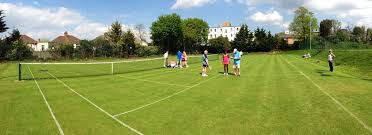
<point>331,58</point>
<point>205,63</point>
<point>179,56</point>
<point>236,65</point>
<point>166,59</point>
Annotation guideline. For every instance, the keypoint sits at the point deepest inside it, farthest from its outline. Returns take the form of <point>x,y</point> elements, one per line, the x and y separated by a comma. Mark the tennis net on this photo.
<point>29,71</point>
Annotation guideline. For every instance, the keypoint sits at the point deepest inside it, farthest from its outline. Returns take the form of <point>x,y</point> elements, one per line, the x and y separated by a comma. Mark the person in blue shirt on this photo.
<point>236,65</point>
<point>179,56</point>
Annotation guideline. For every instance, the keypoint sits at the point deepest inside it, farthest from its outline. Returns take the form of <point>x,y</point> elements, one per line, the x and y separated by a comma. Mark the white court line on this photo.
<point>174,94</point>
<point>144,80</point>
<point>86,99</point>
<point>330,96</point>
<point>47,104</point>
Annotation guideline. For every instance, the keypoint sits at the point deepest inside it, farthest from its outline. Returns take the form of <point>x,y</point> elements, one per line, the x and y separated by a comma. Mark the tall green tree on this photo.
<point>243,39</point>
<point>303,21</point>
<point>166,32</point>
<point>115,33</point>
<point>128,42</point>
<point>3,27</point>
<point>359,33</point>
<point>325,28</point>
<point>195,33</point>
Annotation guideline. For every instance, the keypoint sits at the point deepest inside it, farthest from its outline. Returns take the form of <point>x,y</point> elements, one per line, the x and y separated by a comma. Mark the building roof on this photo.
<point>28,40</point>
<point>66,39</point>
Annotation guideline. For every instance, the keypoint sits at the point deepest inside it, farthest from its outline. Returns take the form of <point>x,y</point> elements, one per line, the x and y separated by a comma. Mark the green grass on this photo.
<point>357,62</point>
<point>276,94</point>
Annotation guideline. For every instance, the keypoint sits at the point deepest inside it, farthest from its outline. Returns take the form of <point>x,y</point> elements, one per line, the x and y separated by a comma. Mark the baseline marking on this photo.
<point>144,80</point>
<point>99,108</point>
<point>174,94</point>
<point>47,104</point>
<point>330,96</point>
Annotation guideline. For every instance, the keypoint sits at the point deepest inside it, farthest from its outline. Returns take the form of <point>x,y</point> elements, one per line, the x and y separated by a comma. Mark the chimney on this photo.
<point>66,33</point>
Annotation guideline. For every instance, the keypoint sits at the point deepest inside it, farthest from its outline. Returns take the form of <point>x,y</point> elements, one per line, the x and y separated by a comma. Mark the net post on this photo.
<point>112,68</point>
<point>19,72</point>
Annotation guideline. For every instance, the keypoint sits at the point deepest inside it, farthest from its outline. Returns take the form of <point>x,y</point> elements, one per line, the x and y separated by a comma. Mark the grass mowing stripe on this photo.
<point>174,94</point>
<point>330,96</point>
<point>144,80</point>
<point>47,104</point>
<point>99,108</point>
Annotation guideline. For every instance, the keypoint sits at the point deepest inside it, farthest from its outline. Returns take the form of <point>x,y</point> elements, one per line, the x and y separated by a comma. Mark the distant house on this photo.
<point>65,39</point>
<point>42,45</point>
<point>28,41</point>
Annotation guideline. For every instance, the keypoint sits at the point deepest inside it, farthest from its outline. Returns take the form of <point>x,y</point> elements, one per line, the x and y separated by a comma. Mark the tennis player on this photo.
<point>331,57</point>
<point>236,65</point>
<point>205,63</point>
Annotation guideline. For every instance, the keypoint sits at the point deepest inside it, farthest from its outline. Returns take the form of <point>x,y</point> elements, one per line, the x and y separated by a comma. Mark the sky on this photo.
<point>87,19</point>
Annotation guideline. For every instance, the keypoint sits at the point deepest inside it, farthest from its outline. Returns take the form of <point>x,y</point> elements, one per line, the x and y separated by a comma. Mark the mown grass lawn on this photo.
<point>276,94</point>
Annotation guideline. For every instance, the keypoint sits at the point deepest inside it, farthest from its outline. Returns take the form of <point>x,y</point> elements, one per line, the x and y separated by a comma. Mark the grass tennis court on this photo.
<point>275,94</point>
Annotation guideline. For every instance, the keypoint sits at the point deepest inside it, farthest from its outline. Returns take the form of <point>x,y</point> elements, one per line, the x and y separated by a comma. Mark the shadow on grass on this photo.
<point>327,73</point>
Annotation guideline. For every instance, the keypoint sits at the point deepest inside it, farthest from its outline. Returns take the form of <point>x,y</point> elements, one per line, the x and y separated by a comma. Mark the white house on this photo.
<point>42,46</point>
<point>226,30</point>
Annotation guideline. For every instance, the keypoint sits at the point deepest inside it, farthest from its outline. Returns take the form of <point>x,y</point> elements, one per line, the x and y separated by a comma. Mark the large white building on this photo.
<point>226,30</point>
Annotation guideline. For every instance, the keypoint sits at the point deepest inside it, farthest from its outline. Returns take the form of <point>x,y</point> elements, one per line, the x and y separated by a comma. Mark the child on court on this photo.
<point>236,65</point>
<point>184,59</point>
<point>225,62</point>
<point>331,57</point>
<point>205,63</point>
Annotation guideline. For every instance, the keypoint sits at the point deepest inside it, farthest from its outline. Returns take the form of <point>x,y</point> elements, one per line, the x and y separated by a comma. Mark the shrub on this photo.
<point>147,50</point>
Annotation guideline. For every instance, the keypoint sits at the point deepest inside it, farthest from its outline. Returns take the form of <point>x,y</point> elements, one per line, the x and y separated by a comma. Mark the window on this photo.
<point>237,28</point>
<point>215,30</point>
<point>231,29</point>
<point>231,35</point>
<point>215,35</point>
<point>221,30</point>
<point>225,30</point>
<point>42,48</point>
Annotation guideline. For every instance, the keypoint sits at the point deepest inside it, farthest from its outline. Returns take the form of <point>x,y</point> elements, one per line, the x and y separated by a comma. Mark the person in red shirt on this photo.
<point>225,62</point>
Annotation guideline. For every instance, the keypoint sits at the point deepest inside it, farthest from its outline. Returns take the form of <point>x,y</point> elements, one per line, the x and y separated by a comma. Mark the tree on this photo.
<point>141,32</point>
<point>302,22</point>
<point>166,32</point>
<point>342,35</point>
<point>243,39</point>
<point>358,33</point>
<point>6,45</point>
<point>128,43</point>
<point>19,51</point>
<point>86,49</point>
<point>336,25</point>
<point>219,45</point>
<point>369,35</point>
<point>195,33</point>
<point>115,33</point>
<point>325,28</point>
<point>3,27</point>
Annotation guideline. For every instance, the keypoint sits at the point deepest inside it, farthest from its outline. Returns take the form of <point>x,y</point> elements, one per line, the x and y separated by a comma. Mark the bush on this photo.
<point>19,51</point>
<point>219,45</point>
<point>66,51</point>
<point>147,50</point>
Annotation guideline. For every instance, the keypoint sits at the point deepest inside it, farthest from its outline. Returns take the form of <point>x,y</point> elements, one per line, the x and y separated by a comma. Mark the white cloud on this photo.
<point>357,12</point>
<point>49,22</point>
<point>272,17</point>
<point>183,4</point>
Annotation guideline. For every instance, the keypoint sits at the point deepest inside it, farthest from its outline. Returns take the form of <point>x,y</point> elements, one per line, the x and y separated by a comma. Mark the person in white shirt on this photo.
<point>165,59</point>
<point>331,57</point>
